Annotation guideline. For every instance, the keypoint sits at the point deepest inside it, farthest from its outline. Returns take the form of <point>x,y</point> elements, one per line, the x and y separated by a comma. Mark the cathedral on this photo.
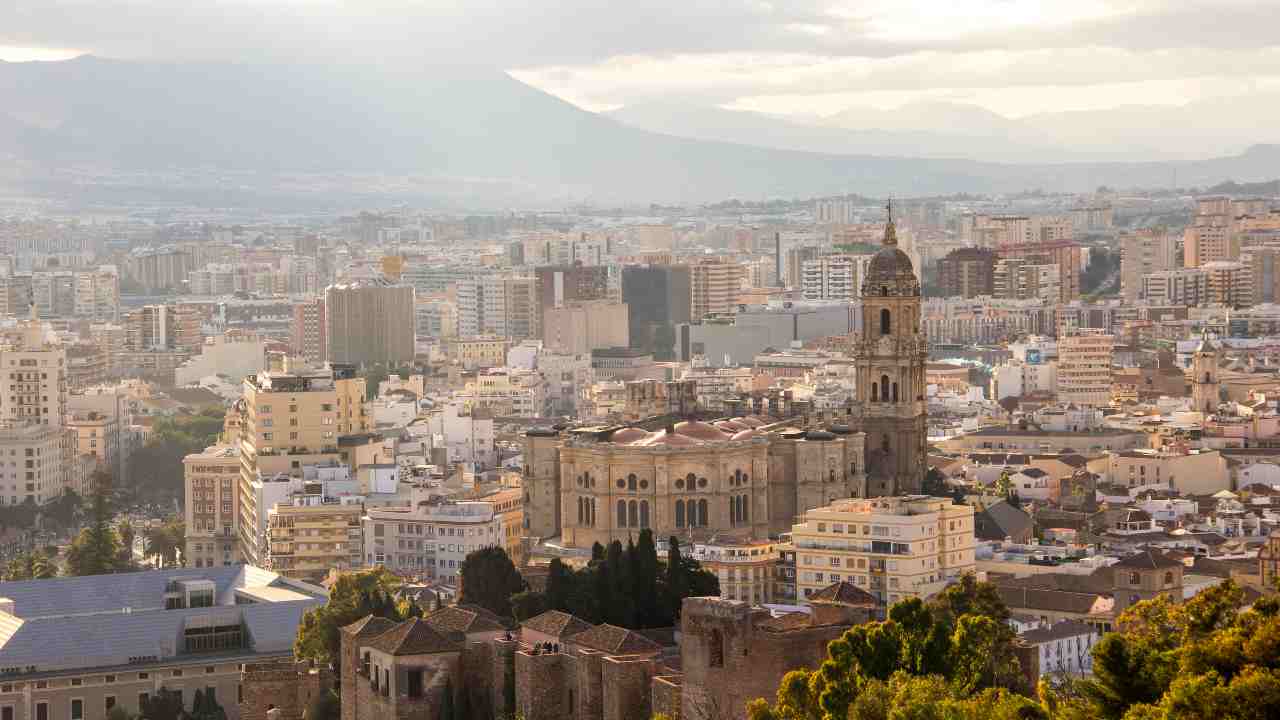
<point>678,472</point>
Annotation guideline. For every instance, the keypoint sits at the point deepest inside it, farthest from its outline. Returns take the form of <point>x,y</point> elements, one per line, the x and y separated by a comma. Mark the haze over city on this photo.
<point>639,361</point>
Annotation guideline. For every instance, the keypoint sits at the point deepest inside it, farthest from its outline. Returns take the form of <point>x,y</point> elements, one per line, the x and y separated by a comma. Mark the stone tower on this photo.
<point>889,359</point>
<point>1204,377</point>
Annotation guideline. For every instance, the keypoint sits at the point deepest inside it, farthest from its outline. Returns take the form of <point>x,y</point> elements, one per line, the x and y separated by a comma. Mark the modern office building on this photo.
<point>658,299</point>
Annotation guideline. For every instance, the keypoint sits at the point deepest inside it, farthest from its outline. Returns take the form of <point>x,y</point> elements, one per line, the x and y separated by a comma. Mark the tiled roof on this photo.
<point>459,620</point>
<point>1148,560</point>
<point>414,637</point>
<point>369,626</point>
<point>556,624</point>
<point>784,622</point>
<point>1024,598</point>
<point>614,639</point>
<point>1057,631</point>
<point>843,593</point>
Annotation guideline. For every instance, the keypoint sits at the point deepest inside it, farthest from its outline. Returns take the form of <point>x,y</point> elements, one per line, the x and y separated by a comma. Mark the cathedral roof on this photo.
<point>700,431</point>
<point>891,267</point>
<point>628,435</point>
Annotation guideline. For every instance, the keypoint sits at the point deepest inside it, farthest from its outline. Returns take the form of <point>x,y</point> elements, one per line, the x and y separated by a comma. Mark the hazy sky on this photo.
<point>805,57</point>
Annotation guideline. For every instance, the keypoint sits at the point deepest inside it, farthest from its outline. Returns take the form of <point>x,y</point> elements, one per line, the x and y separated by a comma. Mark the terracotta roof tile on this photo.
<point>843,593</point>
<point>414,637</point>
<point>556,624</point>
<point>369,626</point>
<point>614,639</point>
<point>460,620</point>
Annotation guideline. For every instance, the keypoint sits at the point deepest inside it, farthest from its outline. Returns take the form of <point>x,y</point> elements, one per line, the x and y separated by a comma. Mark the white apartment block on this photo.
<point>892,547</point>
<point>1084,367</point>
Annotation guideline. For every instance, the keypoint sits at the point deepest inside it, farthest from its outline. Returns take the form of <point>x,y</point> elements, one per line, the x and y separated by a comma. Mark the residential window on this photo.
<point>77,709</point>
<point>42,711</point>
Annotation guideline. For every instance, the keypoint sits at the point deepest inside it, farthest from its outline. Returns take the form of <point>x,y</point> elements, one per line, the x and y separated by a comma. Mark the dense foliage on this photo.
<point>352,597</point>
<point>31,566</point>
<point>98,549</point>
<point>155,469</point>
<point>489,579</point>
<point>952,658</point>
<point>629,587</point>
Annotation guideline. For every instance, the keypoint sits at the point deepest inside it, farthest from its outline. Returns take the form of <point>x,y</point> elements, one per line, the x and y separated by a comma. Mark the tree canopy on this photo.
<point>97,549</point>
<point>625,586</point>
<point>352,597</point>
<point>489,579</point>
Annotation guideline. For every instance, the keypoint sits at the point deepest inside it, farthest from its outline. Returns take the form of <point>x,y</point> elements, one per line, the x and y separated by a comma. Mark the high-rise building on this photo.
<point>174,327</point>
<point>369,323</point>
<point>967,272</point>
<point>33,378</point>
<point>290,417</point>
<point>1265,266</point>
<point>54,293</point>
<point>1209,243</point>
<point>15,295</point>
<point>580,327</point>
<point>889,361</point>
<point>520,307</point>
<point>1143,252</point>
<point>160,269</point>
<point>1084,366</point>
<point>658,299</point>
<point>1065,254</point>
<point>1229,283</point>
<point>212,513</point>
<point>97,294</point>
<point>833,277</point>
<point>482,306</point>
<point>793,265</point>
<point>892,547</point>
<point>307,331</point>
<point>557,285</point>
<point>714,285</point>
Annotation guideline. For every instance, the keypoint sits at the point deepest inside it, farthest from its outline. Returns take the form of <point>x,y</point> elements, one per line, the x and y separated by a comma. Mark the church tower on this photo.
<point>1204,377</point>
<point>889,358</point>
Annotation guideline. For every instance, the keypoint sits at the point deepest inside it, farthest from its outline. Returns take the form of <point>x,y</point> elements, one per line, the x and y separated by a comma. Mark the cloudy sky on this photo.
<point>801,57</point>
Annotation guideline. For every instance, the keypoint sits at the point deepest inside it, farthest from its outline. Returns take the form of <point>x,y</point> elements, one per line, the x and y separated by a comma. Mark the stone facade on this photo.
<point>289,687</point>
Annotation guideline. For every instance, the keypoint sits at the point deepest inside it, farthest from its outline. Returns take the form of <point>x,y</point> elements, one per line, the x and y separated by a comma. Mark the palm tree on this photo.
<point>159,544</point>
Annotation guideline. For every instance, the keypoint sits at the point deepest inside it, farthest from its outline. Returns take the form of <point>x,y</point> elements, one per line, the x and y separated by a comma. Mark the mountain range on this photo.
<point>504,140</point>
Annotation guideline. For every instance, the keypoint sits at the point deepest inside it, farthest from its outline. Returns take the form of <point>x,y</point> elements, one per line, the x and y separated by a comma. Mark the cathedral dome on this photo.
<point>628,434</point>
<point>890,271</point>
<point>700,431</point>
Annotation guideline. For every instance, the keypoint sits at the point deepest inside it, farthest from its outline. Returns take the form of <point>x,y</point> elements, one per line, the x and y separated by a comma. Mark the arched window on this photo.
<point>884,388</point>
<point>746,509</point>
<point>702,513</point>
<point>1168,578</point>
<point>884,443</point>
<point>622,514</point>
<point>875,392</point>
<point>633,515</point>
<point>895,392</point>
<point>581,515</point>
<point>886,321</point>
<point>853,468</point>
<point>1206,377</point>
<point>591,513</point>
<point>733,511</point>
<point>679,513</point>
<point>644,514</point>
<point>884,291</point>
<point>631,482</point>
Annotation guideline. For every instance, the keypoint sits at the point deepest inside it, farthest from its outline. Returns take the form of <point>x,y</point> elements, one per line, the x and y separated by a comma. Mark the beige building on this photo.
<point>745,567</point>
<point>369,324</point>
<point>33,378</point>
<point>35,463</point>
<point>1084,367</point>
<point>477,352</point>
<point>211,513</point>
<point>1209,243</point>
<point>307,539</point>
<point>431,540</point>
<point>1202,472</point>
<point>892,547</point>
<point>581,327</point>
<point>1143,252</point>
<point>714,284</point>
<point>1229,283</point>
<point>96,435</point>
<point>291,417</point>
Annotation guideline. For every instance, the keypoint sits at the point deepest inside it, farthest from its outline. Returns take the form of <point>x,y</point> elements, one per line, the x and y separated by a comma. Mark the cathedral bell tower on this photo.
<point>1204,378</point>
<point>889,359</point>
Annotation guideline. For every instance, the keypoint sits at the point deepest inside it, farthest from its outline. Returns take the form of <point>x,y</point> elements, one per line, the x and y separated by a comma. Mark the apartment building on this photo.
<point>833,277</point>
<point>746,567</point>
<point>310,534</point>
<point>1229,283</point>
<point>291,416</point>
<point>1205,243</point>
<point>33,378</point>
<point>432,540</point>
<point>714,286</point>
<point>211,480</point>
<point>1084,367</point>
<point>77,648</point>
<point>968,272</point>
<point>307,331</point>
<point>892,547</point>
<point>477,352</point>
<point>97,294</point>
<point>369,323</point>
<point>580,327</point>
<point>96,435</point>
<point>1143,252</point>
<point>1027,278</point>
<point>482,306</point>
<point>1184,286</point>
<point>174,327</point>
<point>35,463</point>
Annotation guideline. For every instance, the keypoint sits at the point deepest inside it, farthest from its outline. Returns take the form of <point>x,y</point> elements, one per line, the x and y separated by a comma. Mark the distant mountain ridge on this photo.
<point>468,125</point>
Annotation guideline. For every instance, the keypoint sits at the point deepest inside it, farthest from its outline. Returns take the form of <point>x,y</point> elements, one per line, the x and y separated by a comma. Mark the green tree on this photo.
<point>674,587</point>
<point>527,604</point>
<point>65,510</point>
<point>163,542</point>
<point>163,705</point>
<point>489,579</point>
<point>30,566</point>
<point>619,603</point>
<point>354,596</point>
<point>560,586</point>
<point>644,578</point>
<point>96,550</point>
